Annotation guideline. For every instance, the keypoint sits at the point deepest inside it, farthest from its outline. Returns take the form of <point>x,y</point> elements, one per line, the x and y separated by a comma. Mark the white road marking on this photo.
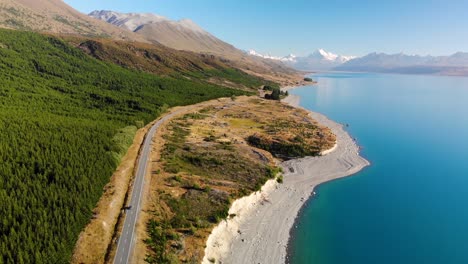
<point>125,249</point>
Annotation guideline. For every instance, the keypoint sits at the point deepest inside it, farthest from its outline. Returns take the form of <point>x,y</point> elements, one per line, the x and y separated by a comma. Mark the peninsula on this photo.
<point>249,237</point>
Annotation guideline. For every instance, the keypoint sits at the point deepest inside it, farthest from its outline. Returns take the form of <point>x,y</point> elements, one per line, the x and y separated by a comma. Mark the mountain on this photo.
<point>55,16</point>
<point>459,59</point>
<point>130,21</point>
<point>188,36</point>
<point>384,61</point>
<point>289,58</point>
<point>319,60</point>
<point>456,64</point>
<point>164,61</point>
<point>330,57</point>
<point>182,35</point>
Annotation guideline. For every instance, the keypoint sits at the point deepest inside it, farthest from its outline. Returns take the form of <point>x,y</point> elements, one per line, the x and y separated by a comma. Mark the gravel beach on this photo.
<point>259,231</point>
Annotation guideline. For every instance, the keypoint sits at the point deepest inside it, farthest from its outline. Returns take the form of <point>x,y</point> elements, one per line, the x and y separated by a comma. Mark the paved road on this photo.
<point>127,238</point>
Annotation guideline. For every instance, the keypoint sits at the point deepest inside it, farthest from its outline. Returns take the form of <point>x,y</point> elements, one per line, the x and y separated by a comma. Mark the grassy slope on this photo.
<point>161,60</point>
<point>203,178</point>
<point>57,16</point>
<point>65,119</point>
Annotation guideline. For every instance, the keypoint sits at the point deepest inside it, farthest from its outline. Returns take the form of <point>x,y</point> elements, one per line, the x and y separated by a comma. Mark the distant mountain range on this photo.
<point>187,35</point>
<point>456,64</point>
<point>321,60</point>
<point>289,58</point>
<point>56,17</point>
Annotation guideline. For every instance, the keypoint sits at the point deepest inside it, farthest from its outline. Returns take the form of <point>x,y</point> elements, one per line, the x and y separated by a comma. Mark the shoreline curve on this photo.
<point>260,230</point>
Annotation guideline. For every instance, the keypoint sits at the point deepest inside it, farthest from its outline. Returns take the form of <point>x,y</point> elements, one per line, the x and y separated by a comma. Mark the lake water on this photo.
<point>411,205</point>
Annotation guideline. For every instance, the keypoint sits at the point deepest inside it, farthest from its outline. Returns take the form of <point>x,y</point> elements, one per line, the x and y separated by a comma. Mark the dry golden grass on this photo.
<point>94,240</point>
<point>58,17</point>
<point>212,126</point>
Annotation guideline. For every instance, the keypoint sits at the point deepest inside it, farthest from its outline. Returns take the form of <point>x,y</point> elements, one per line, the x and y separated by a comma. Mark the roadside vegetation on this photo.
<point>206,162</point>
<point>274,93</point>
<point>66,119</point>
<point>205,177</point>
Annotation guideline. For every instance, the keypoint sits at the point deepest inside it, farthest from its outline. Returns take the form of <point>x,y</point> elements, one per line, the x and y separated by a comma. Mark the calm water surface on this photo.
<point>411,205</point>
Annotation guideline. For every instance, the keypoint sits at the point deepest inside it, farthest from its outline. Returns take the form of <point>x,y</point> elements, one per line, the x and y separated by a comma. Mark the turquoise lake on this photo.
<point>411,204</point>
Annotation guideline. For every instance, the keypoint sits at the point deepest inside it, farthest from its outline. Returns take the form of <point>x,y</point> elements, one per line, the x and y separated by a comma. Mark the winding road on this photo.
<point>127,238</point>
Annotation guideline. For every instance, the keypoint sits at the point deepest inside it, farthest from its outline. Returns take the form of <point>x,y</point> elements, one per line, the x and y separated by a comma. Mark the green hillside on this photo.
<point>161,60</point>
<point>65,121</point>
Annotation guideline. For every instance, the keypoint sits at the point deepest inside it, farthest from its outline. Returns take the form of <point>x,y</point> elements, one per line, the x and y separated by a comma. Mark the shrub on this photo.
<point>275,94</point>
<point>280,179</point>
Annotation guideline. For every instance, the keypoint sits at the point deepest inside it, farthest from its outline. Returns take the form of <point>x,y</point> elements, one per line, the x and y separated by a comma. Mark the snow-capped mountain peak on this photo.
<point>347,58</point>
<point>325,55</point>
<point>130,21</point>
<point>329,56</point>
<point>318,60</point>
<point>289,58</point>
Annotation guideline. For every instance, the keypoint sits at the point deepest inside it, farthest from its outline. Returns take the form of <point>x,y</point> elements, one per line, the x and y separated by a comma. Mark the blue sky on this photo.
<point>346,27</point>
